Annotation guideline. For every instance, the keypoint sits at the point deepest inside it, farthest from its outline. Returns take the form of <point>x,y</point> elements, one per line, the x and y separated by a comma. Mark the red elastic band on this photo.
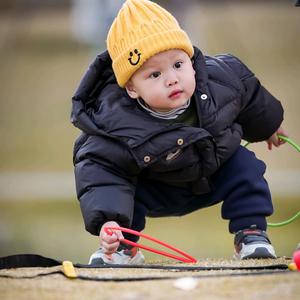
<point>187,258</point>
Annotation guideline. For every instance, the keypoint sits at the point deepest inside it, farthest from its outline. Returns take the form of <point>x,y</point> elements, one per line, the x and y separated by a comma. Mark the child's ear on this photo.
<point>131,90</point>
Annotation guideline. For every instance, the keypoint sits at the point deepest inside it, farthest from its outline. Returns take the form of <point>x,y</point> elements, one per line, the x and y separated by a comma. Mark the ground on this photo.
<point>209,284</point>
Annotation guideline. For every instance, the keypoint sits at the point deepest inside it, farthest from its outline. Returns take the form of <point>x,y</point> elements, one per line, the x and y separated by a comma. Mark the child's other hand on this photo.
<point>110,243</point>
<point>275,140</point>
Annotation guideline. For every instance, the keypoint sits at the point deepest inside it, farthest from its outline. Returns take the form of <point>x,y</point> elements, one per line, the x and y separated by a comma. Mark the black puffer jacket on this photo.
<point>121,143</point>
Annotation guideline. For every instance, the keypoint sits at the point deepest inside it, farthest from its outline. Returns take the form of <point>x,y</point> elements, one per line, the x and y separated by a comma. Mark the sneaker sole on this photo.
<point>97,262</point>
<point>259,253</point>
<point>138,259</point>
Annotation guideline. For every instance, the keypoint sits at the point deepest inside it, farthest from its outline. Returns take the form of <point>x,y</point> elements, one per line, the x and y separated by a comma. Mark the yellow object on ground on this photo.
<point>68,269</point>
<point>292,266</point>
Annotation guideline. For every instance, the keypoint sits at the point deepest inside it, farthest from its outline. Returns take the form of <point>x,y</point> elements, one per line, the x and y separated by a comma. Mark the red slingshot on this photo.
<point>184,258</point>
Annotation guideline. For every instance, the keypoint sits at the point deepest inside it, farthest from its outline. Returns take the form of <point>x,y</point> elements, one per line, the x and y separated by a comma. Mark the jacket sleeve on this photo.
<point>105,184</point>
<point>261,113</point>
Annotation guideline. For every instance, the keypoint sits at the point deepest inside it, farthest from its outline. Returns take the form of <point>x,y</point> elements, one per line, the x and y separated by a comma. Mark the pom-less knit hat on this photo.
<point>142,29</point>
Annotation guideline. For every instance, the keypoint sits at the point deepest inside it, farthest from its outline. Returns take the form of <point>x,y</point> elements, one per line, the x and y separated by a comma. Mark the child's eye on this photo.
<point>155,75</point>
<point>178,64</point>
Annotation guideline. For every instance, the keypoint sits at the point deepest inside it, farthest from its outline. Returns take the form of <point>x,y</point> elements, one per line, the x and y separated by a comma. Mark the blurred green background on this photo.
<point>44,53</point>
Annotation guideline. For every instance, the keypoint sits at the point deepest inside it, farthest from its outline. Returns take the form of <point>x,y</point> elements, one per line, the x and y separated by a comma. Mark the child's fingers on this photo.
<point>281,142</point>
<point>116,234</point>
<point>110,248</point>
<point>109,243</point>
<point>283,132</point>
<point>109,238</point>
<point>270,145</point>
<point>119,234</point>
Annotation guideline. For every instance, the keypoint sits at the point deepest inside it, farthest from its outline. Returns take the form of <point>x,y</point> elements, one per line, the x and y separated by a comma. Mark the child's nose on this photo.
<point>172,80</point>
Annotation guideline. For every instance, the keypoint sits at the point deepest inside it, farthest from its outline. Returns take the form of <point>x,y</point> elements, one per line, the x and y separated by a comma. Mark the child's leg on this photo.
<point>158,199</point>
<point>244,191</point>
<point>239,183</point>
<point>138,221</point>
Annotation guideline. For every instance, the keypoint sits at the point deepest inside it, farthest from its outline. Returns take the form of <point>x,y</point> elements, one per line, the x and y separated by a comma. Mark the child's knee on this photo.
<point>245,161</point>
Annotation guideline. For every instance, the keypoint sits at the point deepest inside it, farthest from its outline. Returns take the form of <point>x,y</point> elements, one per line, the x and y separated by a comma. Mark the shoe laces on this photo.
<point>251,235</point>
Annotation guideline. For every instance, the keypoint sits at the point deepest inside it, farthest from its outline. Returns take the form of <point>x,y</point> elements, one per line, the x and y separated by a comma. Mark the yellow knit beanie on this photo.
<point>142,29</point>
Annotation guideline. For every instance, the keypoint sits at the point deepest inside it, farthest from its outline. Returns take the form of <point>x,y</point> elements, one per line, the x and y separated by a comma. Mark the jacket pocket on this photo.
<point>207,151</point>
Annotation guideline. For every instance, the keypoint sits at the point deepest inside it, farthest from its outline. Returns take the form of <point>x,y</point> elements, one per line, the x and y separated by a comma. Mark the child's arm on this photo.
<point>105,182</point>
<point>105,170</point>
<point>261,114</point>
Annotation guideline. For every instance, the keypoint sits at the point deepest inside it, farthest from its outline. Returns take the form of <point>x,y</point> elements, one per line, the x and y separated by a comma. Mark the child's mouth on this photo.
<point>175,94</point>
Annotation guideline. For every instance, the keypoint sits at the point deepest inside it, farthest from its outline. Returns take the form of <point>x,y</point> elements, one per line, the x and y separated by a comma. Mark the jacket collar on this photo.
<point>201,70</point>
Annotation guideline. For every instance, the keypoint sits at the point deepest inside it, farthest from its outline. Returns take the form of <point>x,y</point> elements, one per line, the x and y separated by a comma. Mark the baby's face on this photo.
<point>165,81</point>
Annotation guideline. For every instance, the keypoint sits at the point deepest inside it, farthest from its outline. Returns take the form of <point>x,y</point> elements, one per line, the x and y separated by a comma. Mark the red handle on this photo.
<point>296,258</point>
<point>186,257</point>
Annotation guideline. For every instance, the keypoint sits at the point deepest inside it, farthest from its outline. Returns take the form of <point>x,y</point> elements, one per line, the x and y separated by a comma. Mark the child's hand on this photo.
<point>110,243</point>
<point>275,140</point>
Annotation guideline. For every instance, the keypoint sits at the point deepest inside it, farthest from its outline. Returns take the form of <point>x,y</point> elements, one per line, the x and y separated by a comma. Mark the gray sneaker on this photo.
<point>253,243</point>
<point>123,256</point>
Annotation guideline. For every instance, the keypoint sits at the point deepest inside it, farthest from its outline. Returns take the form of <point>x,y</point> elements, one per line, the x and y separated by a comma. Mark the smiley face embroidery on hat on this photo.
<point>135,57</point>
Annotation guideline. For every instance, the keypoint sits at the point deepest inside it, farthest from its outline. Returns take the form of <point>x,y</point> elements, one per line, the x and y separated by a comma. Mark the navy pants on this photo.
<point>239,183</point>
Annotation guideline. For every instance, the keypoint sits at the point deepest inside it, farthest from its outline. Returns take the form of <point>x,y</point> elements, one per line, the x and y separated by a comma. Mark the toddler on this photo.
<point>161,131</point>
